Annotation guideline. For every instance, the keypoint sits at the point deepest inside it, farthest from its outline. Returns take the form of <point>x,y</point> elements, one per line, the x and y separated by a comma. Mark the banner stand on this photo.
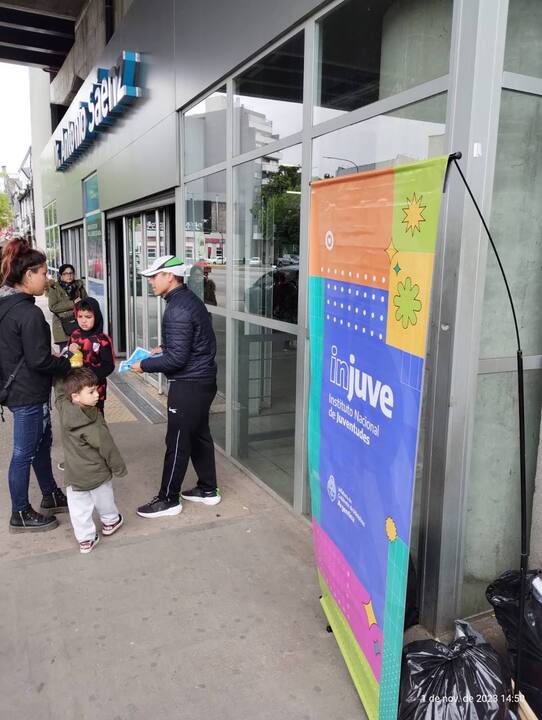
<point>371,255</point>
<point>372,243</point>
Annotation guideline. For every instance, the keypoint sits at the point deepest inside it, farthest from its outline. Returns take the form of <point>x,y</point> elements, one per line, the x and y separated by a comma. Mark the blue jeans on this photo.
<point>32,440</point>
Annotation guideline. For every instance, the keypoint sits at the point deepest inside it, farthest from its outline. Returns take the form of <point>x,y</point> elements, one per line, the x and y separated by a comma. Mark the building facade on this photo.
<point>228,112</point>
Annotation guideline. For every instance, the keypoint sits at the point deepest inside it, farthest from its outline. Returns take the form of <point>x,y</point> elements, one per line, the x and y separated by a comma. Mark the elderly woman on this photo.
<point>63,294</point>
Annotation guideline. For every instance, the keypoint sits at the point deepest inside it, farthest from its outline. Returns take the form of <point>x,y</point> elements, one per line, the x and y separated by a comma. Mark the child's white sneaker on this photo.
<point>87,545</point>
<point>113,527</point>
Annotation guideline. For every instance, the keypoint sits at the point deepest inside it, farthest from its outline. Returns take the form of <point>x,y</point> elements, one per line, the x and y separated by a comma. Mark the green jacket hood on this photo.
<point>76,417</point>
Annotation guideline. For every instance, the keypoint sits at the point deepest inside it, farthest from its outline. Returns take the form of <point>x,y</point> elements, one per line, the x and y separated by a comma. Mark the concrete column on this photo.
<point>523,42</point>
<point>415,44</point>
<point>40,132</point>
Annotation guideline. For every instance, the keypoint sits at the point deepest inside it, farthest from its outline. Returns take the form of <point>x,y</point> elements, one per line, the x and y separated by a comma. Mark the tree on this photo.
<point>6,216</point>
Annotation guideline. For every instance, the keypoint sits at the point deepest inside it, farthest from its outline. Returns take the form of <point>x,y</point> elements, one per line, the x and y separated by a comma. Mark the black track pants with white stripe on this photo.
<point>188,437</point>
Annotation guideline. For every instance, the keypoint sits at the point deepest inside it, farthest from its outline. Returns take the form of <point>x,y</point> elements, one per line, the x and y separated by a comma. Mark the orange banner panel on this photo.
<point>351,227</point>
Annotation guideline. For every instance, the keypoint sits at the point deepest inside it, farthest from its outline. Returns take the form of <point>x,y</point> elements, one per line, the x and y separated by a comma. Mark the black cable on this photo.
<point>524,564</point>
<point>494,250</point>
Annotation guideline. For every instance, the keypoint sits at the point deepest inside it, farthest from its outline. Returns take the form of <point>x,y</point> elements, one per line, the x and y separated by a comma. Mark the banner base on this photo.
<point>358,667</point>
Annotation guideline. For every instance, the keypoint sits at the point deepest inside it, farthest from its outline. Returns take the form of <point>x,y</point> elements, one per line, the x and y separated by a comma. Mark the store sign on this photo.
<point>114,90</point>
<point>372,249</point>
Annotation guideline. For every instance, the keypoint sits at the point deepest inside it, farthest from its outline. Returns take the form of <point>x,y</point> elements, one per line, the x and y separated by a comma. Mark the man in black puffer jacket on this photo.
<point>187,358</point>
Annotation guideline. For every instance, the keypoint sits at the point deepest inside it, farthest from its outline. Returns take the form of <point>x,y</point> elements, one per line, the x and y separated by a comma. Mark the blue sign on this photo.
<point>112,92</point>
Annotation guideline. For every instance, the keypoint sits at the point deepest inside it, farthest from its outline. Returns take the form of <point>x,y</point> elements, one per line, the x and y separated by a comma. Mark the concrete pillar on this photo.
<point>415,42</point>
<point>40,132</point>
<point>523,42</point>
<point>415,49</point>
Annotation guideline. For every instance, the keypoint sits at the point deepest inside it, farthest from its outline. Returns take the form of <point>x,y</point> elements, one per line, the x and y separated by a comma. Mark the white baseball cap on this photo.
<point>166,263</point>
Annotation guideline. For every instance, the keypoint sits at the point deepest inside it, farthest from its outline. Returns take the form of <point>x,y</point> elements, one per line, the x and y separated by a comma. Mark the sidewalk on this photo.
<point>212,614</point>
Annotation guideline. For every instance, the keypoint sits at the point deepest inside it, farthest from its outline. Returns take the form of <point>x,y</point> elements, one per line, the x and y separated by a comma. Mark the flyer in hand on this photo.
<point>138,355</point>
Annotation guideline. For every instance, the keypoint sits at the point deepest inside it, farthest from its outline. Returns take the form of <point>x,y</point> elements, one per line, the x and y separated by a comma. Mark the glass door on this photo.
<point>135,287</point>
<point>146,238</point>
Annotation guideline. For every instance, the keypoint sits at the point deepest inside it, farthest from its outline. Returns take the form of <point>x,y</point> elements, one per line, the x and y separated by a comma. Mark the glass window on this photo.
<point>492,532</point>
<point>267,194</point>
<point>205,133</point>
<point>516,218</point>
<point>414,132</point>
<point>264,407</point>
<point>217,417</point>
<point>205,237</point>
<point>268,102</point>
<point>53,248</point>
<point>369,52</point>
<point>523,52</point>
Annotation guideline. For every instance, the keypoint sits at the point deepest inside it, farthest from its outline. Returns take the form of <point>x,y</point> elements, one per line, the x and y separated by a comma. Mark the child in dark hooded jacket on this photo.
<point>95,345</point>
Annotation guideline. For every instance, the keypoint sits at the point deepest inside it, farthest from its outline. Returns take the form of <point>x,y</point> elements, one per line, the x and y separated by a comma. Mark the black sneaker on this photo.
<point>207,497</point>
<point>57,502</point>
<point>28,520</point>
<point>160,508</point>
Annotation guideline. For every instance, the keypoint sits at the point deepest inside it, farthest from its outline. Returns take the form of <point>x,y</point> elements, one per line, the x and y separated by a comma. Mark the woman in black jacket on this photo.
<point>25,334</point>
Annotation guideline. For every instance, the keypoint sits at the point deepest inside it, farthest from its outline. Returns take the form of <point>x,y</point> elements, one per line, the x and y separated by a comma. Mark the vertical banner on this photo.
<point>372,248</point>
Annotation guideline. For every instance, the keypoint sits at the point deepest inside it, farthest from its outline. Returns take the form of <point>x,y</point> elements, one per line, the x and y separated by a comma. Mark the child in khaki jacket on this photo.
<point>91,458</point>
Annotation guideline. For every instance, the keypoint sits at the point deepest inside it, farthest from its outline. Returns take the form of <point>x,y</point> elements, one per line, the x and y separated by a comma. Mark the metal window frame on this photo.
<point>450,304</point>
<point>522,83</point>
<point>476,67</point>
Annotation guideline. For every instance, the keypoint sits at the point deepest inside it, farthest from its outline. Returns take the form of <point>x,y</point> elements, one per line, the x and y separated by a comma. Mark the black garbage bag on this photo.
<point>503,595</point>
<point>466,680</point>
<point>412,615</point>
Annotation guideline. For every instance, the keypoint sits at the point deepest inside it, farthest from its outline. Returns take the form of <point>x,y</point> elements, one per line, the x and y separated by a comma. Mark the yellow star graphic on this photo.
<point>369,611</point>
<point>391,250</point>
<point>391,529</point>
<point>414,214</point>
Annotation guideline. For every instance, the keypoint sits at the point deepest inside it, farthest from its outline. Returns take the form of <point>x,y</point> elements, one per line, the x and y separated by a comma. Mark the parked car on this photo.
<point>275,293</point>
<point>254,261</point>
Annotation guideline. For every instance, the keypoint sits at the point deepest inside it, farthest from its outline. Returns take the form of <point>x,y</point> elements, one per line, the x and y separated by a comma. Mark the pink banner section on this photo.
<point>351,597</point>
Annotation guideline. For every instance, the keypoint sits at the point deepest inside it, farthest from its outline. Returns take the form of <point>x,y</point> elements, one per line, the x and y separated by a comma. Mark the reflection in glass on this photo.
<point>268,102</point>
<point>217,417</point>
<point>205,237</point>
<point>135,245</point>
<point>366,53</point>
<point>264,407</point>
<point>162,241</point>
<point>205,133</point>
<point>414,132</point>
<point>152,301</point>
<point>267,194</point>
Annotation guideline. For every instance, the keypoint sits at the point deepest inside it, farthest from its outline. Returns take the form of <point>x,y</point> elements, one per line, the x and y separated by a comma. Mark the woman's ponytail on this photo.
<point>18,256</point>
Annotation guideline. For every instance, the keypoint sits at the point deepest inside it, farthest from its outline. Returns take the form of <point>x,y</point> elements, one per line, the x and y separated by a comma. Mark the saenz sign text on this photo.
<point>114,90</point>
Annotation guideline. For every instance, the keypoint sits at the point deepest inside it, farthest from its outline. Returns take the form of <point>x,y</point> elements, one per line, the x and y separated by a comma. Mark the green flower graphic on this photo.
<point>407,303</point>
